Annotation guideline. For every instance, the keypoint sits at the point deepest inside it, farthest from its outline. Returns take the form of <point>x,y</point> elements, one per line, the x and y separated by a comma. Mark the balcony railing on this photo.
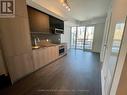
<point>88,44</point>
<point>83,45</point>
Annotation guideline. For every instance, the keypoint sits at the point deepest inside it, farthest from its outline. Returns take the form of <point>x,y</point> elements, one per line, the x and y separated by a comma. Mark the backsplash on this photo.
<point>56,39</point>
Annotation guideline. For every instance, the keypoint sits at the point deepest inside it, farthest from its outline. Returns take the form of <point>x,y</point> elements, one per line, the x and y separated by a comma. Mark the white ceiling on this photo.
<point>88,9</point>
<point>81,10</point>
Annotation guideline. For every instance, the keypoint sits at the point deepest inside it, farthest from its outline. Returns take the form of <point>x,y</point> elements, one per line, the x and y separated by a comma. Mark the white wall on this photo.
<point>93,21</point>
<point>66,37</point>
<point>99,24</point>
<point>98,37</point>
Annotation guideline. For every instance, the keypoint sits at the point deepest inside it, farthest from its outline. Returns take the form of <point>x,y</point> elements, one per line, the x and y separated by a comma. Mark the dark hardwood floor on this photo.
<point>78,73</point>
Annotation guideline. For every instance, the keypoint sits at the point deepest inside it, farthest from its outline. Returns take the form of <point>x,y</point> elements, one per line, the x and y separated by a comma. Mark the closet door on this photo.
<point>113,55</point>
<point>115,50</point>
<point>105,38</point>
<point>104,54</point>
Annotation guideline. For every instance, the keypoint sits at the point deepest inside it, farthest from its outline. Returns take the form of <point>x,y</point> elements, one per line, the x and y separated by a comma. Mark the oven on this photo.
<point>61,49</point>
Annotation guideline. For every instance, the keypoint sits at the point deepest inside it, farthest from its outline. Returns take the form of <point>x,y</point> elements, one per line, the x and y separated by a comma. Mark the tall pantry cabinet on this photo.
<point>16,42</point>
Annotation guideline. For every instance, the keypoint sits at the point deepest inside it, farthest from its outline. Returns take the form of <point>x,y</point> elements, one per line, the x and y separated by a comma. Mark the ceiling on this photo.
<point>81,10</point>
<point>88,9</point>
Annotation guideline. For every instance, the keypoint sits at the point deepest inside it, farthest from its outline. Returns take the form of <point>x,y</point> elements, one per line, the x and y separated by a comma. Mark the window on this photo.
<point>82,37</point>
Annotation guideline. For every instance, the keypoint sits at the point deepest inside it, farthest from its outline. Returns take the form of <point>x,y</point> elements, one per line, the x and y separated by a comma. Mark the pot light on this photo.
<point>66,5</point>
<point>69,9</point>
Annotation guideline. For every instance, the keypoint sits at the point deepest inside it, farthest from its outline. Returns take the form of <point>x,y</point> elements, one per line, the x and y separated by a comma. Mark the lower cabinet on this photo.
<point>36,59</point>
<point>22,65</point>
<point>56,52</point>
<point>53,53</point>
<point>44,56</point>
<point>49,54</point>
<point>39,58</point>
<point>19,66</point>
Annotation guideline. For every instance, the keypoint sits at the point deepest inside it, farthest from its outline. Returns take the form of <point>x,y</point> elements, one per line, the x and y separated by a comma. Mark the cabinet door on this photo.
<point>56,23</point>
<point>56,52</point>
<point>49,54</point>
<point>39,21</point>
<point>46,55</point>
<point>15,36</point>
<point>42,57</point>
<point>36,59</point>
<point>19,66</point>
<point>39,57</point>
<point>52,53</point>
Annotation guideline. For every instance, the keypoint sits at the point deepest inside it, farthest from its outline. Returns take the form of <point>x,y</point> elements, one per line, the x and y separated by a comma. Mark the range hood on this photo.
<point>59,31</point>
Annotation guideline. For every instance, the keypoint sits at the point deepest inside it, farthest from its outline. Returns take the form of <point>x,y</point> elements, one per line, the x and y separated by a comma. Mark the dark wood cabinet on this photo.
<point>39,21</point>
<point>56,23</point>
<point>43,23</point>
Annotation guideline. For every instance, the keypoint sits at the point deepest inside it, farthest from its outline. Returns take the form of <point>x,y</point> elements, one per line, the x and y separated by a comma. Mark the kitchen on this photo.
<point>46,41</point>
<point>32,48</point>
<point>61,46</point>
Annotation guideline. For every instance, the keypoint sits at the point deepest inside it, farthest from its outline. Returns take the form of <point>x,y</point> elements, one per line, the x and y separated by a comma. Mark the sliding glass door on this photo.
<point>89,35</point>
<point>73,37</point>
<point>82,37</point>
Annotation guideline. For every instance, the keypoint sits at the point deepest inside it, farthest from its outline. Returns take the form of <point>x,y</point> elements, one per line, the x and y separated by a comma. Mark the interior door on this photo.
<point>105,39</point>
<point>114,54</point>
<point>104,55</point>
